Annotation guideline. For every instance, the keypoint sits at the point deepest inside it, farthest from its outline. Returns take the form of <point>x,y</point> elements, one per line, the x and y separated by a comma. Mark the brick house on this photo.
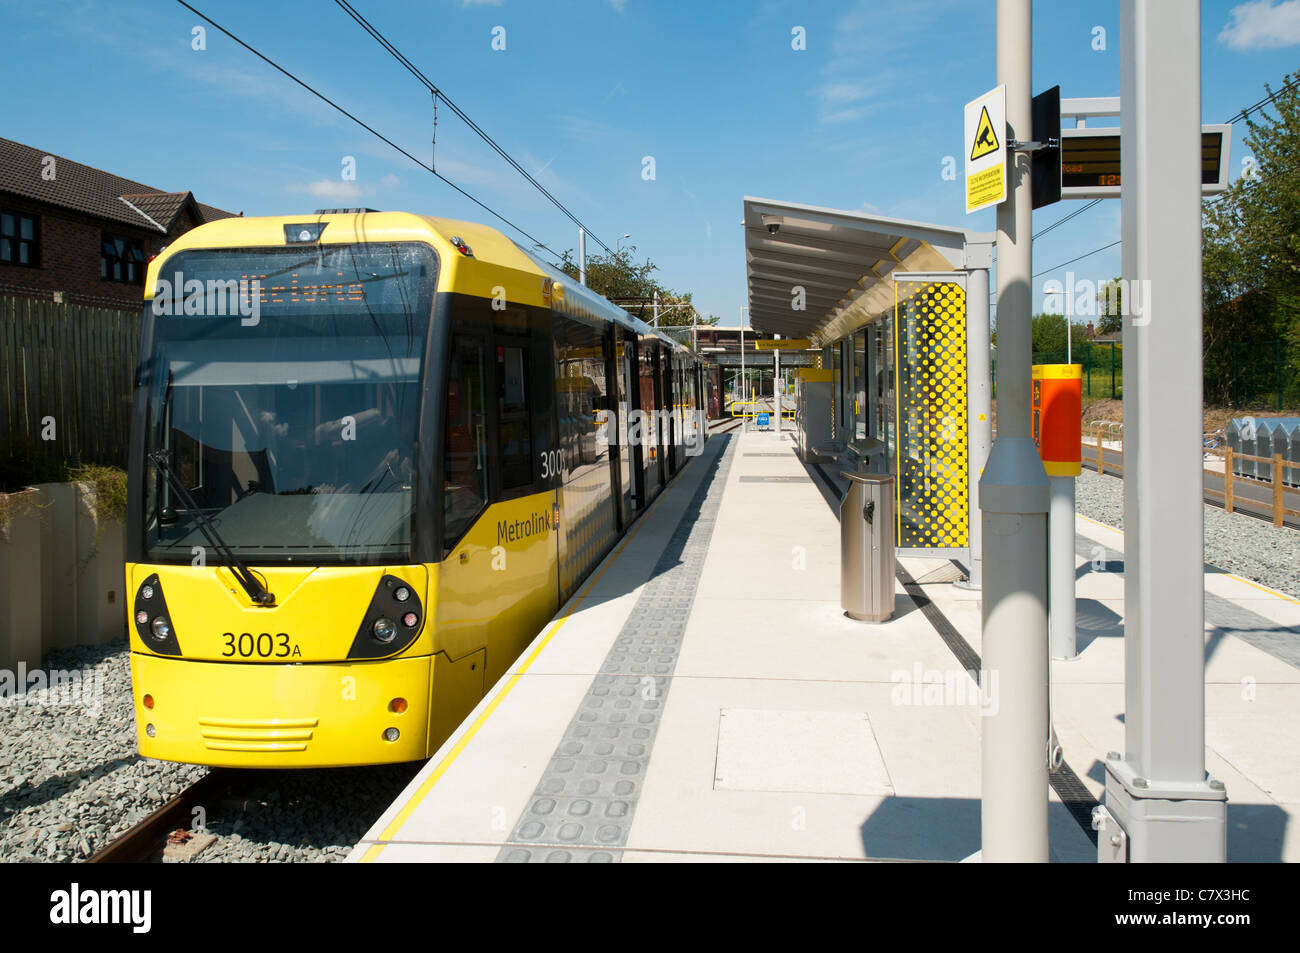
<point>79,234</point>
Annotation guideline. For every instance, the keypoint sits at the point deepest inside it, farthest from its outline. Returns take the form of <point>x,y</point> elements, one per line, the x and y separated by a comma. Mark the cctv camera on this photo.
<point>773,223</point>
<point>774,227</point>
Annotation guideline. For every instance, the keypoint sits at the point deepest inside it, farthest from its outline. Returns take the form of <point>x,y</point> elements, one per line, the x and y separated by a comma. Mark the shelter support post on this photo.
<point>1158,792</point>
<point>979,411</point>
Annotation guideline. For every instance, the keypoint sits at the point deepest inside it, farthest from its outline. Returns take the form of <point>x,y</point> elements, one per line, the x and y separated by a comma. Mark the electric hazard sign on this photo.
<point>986,150</point>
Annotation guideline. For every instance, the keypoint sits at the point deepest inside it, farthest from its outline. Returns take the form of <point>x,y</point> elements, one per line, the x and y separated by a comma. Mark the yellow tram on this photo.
<point>371,454</point>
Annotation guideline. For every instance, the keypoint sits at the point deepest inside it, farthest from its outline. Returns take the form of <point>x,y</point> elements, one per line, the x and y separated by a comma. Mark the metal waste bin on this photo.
<point>867,546</point>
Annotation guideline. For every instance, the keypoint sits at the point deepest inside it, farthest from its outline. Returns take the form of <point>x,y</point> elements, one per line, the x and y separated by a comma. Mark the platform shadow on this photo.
<point>922,828</point>
<point>1095,620</point>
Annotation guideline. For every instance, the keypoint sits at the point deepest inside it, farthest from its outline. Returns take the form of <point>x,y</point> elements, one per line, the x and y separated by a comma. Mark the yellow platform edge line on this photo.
<point>373,852</point>
<point>1230,575</point>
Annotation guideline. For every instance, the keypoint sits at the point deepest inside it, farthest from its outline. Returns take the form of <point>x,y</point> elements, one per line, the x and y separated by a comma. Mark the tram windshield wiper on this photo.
<point>252,585</point>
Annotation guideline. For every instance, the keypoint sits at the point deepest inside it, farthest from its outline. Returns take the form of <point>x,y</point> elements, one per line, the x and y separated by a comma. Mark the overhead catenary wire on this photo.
<point>370,129</point>
<point>442,95</point>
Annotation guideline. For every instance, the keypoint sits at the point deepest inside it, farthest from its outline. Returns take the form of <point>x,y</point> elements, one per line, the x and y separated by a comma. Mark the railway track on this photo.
<point>147,839</point>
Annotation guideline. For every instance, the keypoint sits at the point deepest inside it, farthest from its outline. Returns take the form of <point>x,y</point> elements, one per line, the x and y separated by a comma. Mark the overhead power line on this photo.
<point>1271,97</point>
<point>325,99</point>
<point>442,95</point>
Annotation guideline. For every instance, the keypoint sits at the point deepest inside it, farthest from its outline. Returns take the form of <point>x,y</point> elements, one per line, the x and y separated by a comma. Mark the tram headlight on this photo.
<point>391,622</point>
<point>153,619</point>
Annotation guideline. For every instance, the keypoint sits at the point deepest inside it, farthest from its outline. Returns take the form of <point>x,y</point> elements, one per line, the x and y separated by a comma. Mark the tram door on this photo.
<point>649,388</point>
<point>629,369</point>
<point>620,363</point>
<point>931,441</point>
<point>671,403</point>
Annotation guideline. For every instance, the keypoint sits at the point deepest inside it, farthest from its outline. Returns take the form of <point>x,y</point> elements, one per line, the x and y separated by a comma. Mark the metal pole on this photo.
<point>776,383</point>
<point>1014,499</point>
<point>979,407</point>
<point>1277,367</point>
<point>744,395</point>
<point>656,309</point>
<point>582,255</point>
<point>1061,574</point>
<point>1158,791</point>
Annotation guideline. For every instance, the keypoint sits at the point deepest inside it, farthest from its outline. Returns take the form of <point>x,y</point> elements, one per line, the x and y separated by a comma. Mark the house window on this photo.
<point>122,259</point>
<point>18,239</point>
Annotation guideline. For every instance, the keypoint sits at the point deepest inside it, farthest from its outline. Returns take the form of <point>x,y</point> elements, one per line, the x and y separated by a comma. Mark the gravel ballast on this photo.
<point>71,780</point>
<point>1244,545</point>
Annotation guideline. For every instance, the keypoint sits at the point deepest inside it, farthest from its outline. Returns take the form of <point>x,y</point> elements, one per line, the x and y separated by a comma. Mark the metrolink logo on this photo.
<point>192,298</point>
<point>77,906</point>
<point>509,531</point>
<point>53,689</point>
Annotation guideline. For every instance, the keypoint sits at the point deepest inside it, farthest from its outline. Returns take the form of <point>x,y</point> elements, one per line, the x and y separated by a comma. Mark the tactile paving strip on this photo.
<point>582,808</point>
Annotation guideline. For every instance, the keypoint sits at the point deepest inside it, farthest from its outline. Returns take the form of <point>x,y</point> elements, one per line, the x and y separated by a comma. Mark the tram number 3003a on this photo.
<point>553,465</point>
<point>266,645</point>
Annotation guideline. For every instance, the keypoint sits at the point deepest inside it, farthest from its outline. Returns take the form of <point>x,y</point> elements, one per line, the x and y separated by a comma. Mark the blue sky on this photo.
<point>861,119</point>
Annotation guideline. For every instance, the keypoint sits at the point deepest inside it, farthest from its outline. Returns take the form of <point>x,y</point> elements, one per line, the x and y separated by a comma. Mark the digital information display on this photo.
<point>1090,162</point>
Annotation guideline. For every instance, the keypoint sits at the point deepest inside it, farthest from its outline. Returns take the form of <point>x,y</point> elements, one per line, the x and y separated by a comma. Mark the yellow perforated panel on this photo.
<point>931,449</point>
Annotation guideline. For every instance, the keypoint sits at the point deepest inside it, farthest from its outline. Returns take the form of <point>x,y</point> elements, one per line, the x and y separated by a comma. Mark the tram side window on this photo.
<point>514,424</point>
<point>465,486</point>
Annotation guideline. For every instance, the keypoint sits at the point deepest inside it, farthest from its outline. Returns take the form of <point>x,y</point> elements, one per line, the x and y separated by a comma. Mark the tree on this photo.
<point>1048,332</point>
<point>1251,246</point>
<point>1110,307</point>
<point>632,286</point>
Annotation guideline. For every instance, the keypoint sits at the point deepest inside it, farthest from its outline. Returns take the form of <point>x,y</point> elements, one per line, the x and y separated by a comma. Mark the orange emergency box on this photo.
<point>1057,407</point>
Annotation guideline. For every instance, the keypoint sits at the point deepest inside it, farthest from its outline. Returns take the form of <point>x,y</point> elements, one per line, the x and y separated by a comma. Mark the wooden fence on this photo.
<point>66,373</point>
<point>1104,431</point>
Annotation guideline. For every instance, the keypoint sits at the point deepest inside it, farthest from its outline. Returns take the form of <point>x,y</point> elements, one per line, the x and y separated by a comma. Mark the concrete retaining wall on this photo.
<point>61,573</point>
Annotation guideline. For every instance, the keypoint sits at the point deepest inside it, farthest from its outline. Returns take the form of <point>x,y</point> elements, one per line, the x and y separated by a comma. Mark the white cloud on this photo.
<point>339,190</point>
<point>619,5</point>
<point>1262,24</point>
<point>333,189</point>
<point>865,70</point>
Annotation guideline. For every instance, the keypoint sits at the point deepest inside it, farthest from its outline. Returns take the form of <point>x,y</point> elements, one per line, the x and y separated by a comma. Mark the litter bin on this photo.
<point>867,547</point>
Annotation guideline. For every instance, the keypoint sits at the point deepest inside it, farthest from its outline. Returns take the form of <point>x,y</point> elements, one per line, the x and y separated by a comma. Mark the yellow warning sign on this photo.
<point>986,150</point>
<point>986,139</point>
<point>986,188</point>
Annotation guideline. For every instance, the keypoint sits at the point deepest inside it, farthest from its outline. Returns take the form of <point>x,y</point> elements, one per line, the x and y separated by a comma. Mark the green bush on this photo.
<point>109,484</point>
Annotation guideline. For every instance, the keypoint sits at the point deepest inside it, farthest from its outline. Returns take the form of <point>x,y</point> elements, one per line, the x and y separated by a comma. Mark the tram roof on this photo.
<point>841,259</point>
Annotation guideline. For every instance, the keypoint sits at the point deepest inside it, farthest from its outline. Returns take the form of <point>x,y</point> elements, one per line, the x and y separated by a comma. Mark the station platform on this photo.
<point>703,698</point>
